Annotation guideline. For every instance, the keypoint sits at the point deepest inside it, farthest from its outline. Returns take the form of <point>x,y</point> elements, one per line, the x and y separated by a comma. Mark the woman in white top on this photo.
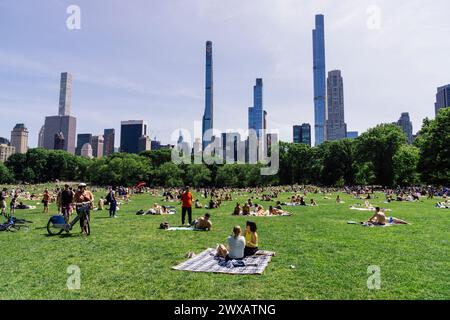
<point>235,247</point>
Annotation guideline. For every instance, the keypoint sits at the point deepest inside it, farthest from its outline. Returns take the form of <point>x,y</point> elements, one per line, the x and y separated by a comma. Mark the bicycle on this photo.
<point>13,224</point>
<point>58,224</point>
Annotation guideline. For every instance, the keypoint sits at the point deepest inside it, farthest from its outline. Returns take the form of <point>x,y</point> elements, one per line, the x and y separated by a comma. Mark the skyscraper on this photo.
<point>336,126</point>
<point>65,94</point>
<point>19,138</point>
<point>63,123</point>
<point>82,139</point>
<point>406,125</point>
<point>208,115</point>
<point>256,113</point>
<point>60,124</point>
<point>6,151</point>
<point>302,134</point>
<point>86,150</point>
<point>130,133</point>
<point>442,98</point>
<point>145,143</point>
<point>41,137</point>
<point>108,144</point>
<point>319,80</point>
<point>97,146</point>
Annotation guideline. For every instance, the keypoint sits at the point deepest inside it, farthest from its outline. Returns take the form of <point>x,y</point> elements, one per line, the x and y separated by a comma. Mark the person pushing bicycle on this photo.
<point>84,201</point>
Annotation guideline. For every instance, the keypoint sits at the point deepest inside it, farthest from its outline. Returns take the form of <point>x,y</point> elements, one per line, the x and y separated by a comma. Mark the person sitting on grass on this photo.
<point>235,248</point>
<point>379,219</point>
<point>251,239</point>
<point>203,223</point>
<point>246,209</point>
<point>101,204</point>
<point>237,210</point>
<point>313,203</point>
<point>259,210</point>
<point>338,199</point>
<point>198,205</point>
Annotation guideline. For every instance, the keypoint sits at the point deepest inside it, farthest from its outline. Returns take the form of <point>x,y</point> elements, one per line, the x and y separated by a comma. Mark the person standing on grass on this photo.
<point>112,204</point>
<point>13,204</point>
<point>3,196</point>
<point>186,199</point>
<point>46,200</point>
<point>66,198</point>
<point>83,196</point>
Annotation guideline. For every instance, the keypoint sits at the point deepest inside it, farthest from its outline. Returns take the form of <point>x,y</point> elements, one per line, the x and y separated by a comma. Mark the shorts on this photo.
<point>3,204</point>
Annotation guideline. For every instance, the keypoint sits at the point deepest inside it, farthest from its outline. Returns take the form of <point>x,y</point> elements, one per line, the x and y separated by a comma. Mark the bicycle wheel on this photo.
<point>52,230</point>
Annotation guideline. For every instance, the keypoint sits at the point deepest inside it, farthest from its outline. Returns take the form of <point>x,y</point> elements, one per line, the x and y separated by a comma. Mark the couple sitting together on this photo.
<point>240,246</point>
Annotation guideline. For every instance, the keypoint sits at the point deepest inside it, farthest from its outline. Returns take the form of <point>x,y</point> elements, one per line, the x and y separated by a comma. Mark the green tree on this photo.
<point>6,175</point>
<point>379,146</point>
<point>405,165</point>
<point>168,175</point>
<point>434,144</point>
<point>197,175</point>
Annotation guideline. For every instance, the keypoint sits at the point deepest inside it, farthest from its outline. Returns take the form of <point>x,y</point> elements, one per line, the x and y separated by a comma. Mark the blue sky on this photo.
<point>144,59</point>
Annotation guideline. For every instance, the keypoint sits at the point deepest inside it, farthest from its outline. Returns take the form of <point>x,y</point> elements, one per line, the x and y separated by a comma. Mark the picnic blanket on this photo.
<point>207,262</point>
<point>184,229</point>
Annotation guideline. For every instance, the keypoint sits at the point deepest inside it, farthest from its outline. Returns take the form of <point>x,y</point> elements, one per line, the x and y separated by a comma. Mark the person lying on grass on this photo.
<point>251,239</point>
<point>235,248</point>
<point>379,219</point>
<point>277,212</point>
<point>203,223</point>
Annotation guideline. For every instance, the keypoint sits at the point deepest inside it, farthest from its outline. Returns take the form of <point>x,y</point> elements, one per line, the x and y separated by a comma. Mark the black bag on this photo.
<point>164,225</point>
<point>140,212</point>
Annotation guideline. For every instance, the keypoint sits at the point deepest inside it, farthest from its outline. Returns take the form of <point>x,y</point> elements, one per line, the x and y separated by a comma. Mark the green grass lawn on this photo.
<point>129,258</point>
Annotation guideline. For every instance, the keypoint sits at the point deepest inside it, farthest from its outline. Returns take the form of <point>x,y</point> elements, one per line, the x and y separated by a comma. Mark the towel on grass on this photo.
<point>206,261</point>
<point>365,224</point>
<point>184,229</point>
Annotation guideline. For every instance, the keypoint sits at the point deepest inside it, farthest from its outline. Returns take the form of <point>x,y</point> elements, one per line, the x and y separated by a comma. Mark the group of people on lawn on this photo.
<point>238,245</point>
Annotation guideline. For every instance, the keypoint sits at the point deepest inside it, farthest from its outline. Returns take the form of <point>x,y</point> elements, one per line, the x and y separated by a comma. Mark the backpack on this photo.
<point>164,226</point>
<point>140,213</point>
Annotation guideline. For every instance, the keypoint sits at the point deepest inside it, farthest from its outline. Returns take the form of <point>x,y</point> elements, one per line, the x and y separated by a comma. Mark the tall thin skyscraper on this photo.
<point>65,94</point>
<point>19,138</point>
<point>208,116</point>
<point>336,126</point>
<point>63,125</point>
<point>442,98</point>
<point>319,80</point>
<point>108,144</point>
<point>256,113</point>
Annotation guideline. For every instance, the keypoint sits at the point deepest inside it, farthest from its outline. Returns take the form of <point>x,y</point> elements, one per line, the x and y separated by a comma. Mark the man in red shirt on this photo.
<point>186,198</point>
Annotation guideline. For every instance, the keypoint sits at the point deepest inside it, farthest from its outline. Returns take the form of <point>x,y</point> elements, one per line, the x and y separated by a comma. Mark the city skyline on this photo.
<point>130,82</point>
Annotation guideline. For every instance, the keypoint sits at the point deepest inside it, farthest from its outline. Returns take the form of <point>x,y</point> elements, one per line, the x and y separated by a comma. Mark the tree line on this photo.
<point>380,156</point>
